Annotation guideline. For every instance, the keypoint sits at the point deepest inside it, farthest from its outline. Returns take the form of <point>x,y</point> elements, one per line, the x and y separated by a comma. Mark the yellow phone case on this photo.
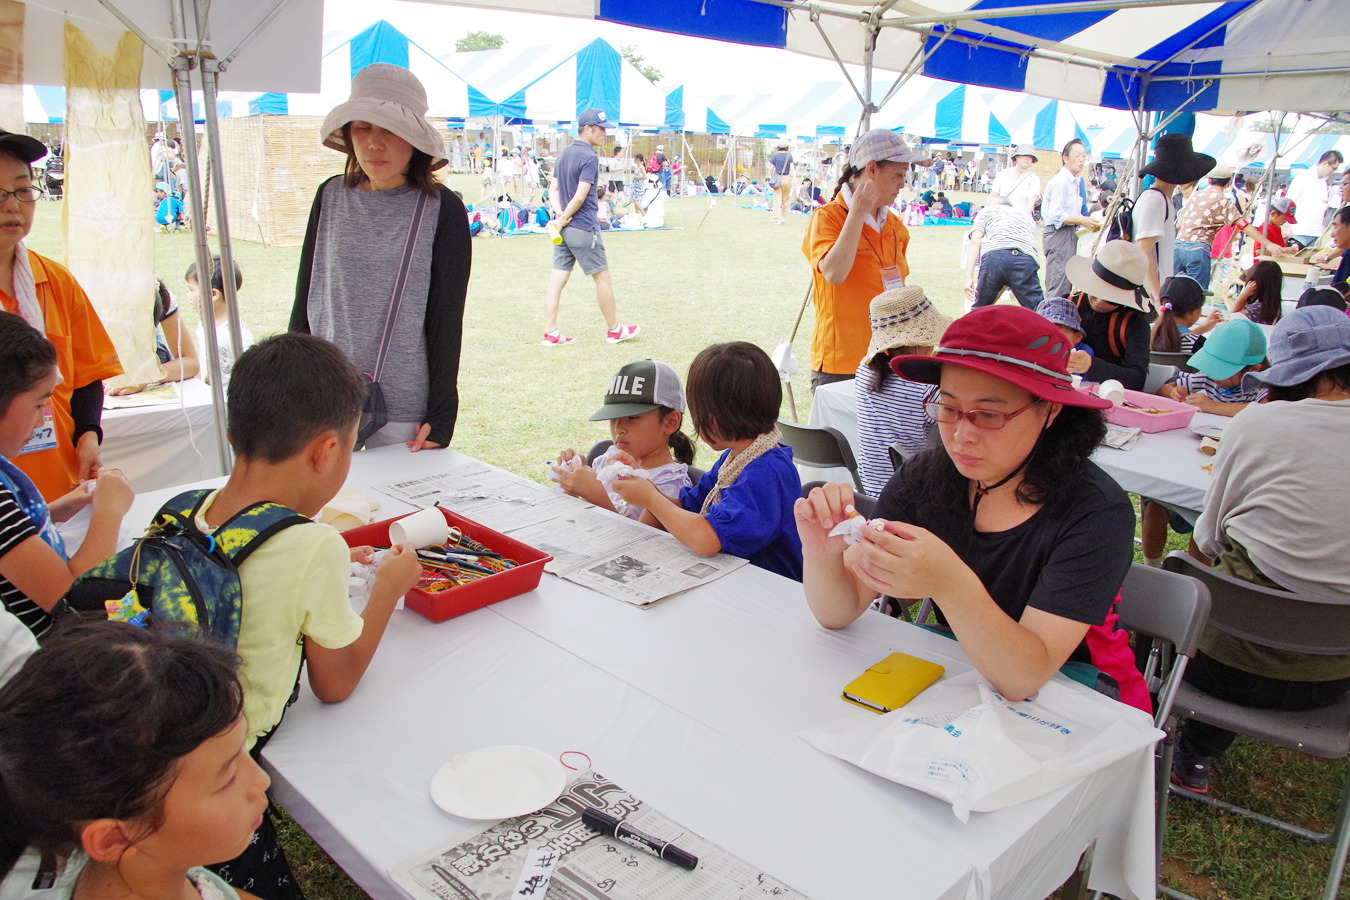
<point>892,683</point>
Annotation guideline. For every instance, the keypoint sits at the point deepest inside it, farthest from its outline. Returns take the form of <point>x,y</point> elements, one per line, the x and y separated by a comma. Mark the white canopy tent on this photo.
<point>262,44</point>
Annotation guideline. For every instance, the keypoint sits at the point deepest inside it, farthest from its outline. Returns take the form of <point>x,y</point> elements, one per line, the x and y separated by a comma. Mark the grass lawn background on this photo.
<point>728,274</point>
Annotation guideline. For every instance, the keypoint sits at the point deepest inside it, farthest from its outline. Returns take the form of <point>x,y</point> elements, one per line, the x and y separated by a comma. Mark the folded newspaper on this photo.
<point>551,855</point>
<point>1121,437</point>
<point>597,548</point>
<point>622,558</point>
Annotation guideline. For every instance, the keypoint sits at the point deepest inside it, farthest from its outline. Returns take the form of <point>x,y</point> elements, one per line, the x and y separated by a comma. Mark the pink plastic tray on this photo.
<point>1178,414</point>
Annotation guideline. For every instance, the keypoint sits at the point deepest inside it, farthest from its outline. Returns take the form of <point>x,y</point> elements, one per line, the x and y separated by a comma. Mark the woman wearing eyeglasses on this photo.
<point>65,451</point>
<point>1021,542</point>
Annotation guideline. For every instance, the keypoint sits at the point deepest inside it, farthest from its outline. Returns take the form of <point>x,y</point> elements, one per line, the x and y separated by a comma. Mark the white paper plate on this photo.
<point>498,783</point>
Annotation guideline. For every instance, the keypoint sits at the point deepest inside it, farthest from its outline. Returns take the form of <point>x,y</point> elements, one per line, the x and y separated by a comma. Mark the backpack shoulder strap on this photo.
<point>250,528</point>
<point>182,510</point>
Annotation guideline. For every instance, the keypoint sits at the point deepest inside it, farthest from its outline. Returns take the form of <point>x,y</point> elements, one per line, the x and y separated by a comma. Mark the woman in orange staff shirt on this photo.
<point>65,451</point>
<point>856,246</point>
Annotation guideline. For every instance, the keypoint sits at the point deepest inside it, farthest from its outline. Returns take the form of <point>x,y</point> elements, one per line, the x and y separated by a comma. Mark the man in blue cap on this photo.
<point>575,176</point>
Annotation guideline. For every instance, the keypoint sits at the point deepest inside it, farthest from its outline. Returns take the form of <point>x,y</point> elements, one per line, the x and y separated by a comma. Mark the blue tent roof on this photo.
<point>1235,55</point>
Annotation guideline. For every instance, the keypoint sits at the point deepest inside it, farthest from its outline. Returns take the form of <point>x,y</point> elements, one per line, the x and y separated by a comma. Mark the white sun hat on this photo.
<point>392,98</point>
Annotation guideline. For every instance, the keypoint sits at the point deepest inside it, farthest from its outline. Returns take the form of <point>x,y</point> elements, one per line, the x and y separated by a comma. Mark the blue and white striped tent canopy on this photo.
<point>554,84</point>
<point>344,55</point>
<point>689,111</point>
<point>1236,55</point>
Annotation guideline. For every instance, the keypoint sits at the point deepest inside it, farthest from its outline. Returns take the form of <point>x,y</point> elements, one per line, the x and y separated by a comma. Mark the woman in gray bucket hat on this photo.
<point>1274,516</point>
<point>386,259</point>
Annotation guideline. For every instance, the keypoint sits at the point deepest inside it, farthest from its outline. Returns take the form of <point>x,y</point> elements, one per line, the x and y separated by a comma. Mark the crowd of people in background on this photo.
<point>974,442</point>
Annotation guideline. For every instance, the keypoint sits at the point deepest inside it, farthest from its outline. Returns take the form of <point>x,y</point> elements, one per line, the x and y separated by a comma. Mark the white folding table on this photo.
<point>694,705</point>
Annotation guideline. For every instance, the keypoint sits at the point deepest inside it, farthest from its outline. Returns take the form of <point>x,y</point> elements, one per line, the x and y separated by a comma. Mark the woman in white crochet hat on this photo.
<point>386,222</point>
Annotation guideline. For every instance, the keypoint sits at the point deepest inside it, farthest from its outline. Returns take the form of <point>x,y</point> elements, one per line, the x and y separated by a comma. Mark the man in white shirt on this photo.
<point>1311,193</point>
<point>1003,241</point>
<point>1064,209</point>
<point>1155,219</point>
<point>1018,184</point>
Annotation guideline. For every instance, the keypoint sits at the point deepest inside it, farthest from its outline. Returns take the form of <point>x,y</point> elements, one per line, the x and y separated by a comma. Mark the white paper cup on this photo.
<point>424,528</point>
<point>1112,390</point>
<point>1077,380</point>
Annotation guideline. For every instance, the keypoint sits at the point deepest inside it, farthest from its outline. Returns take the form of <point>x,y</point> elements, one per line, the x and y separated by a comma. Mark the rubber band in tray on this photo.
<point>465,598</point>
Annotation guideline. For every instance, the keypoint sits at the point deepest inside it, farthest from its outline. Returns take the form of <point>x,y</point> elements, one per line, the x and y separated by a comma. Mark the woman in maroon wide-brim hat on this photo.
<point>1019,539</point>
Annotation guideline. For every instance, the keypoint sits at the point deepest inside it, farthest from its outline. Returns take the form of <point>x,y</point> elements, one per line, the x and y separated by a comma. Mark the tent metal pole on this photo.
<point>1037,10</point>
<point>257,30</point>
<point>815,20</point>
<point>136,30</point>
<point>216,166</point>
<point>1247,75</point>
<point>867,76</point>
<point>182,89</point>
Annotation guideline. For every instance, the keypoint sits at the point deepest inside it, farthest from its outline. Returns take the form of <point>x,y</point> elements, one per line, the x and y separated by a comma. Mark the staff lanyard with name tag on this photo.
<point>892,278</point>
<point>44,436</point>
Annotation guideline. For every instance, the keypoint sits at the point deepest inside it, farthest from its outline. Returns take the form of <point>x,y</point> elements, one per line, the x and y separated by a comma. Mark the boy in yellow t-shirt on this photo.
<point>294,403</point>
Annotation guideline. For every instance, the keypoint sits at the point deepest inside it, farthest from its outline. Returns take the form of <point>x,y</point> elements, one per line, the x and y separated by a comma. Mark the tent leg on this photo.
<point>215,162</point>
<point>182,89</point>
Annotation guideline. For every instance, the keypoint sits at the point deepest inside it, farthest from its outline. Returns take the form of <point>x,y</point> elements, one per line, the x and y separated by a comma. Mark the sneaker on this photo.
<point>556,339</point>
<point>622,333</point>
<point>1191,771</point>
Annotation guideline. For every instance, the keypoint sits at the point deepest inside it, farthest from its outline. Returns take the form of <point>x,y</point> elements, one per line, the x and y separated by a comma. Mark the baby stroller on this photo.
<point>55,177</point>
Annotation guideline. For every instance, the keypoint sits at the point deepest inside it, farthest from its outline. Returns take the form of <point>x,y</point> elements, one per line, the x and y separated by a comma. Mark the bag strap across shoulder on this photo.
<point>396,300</point>
<point>238,536</point>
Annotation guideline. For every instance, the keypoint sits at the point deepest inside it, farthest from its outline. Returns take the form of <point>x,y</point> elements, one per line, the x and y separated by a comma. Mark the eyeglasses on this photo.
<point>988,419</point>
<point>23,194</point>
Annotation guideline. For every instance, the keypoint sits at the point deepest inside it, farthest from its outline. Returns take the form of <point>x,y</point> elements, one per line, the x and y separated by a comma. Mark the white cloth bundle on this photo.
<point>963,742</point>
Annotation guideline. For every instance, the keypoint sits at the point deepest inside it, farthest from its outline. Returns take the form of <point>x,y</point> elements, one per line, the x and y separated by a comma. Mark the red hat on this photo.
<point>1008,342</point>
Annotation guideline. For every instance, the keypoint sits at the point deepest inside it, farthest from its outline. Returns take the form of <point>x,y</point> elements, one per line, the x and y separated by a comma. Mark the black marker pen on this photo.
<point>620,830</point>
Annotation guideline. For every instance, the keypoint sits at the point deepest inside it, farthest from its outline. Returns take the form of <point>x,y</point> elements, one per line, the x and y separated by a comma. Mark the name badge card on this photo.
<point>892,279</point>
<point>44,436</point>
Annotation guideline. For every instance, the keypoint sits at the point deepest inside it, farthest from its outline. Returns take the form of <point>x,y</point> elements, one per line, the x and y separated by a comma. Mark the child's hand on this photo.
<point>624,458</point>
<point>1079,361</point>
<point>635,491</point>
<point>126,389</point>
<point>1169,391</point>
<point>567,454</point>
<point>1204,403</point>
<point>399,569</point>
<point>580,483</point>
<point>1179,393</point>
<point>112,492</point>
<point>363,554</point>
<point>817,513</point>
<point>1208,323</point>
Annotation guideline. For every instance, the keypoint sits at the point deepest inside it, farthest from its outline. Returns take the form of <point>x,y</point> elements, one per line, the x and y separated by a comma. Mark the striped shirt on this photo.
<point>891,415</point>
<point>1006,228</point>
<point>1200,383</point>
<point>15,528</point>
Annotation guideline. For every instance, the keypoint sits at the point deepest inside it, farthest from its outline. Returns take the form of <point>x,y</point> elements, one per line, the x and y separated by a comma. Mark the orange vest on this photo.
<point>843,330</point>
<point>84,353</point>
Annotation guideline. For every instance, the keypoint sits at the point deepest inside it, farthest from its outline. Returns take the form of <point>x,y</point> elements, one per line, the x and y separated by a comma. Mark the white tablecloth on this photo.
<point>694,705</point>
<point>1166,466</point>
<point>154,445</point>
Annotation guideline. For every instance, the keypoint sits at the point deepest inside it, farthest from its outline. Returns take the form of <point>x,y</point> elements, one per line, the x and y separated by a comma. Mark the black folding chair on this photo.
<point>821,448</point>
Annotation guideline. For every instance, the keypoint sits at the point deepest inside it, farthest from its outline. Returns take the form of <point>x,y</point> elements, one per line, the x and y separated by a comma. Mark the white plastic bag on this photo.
<point>961,741</point>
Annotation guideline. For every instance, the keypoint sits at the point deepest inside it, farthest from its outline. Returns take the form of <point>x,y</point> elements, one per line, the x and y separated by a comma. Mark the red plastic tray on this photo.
<point>467,597</point>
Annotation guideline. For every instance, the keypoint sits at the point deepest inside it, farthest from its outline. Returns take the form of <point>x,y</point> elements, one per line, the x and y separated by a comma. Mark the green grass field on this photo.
<point>728,274</point>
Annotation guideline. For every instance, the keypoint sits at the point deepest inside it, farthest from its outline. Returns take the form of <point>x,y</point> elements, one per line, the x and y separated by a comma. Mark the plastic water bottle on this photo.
<point>554,234</point>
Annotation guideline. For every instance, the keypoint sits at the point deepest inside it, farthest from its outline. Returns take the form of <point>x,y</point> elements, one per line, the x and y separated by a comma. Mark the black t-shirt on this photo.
<point>1120,345</point>
<point>1071,565</point>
